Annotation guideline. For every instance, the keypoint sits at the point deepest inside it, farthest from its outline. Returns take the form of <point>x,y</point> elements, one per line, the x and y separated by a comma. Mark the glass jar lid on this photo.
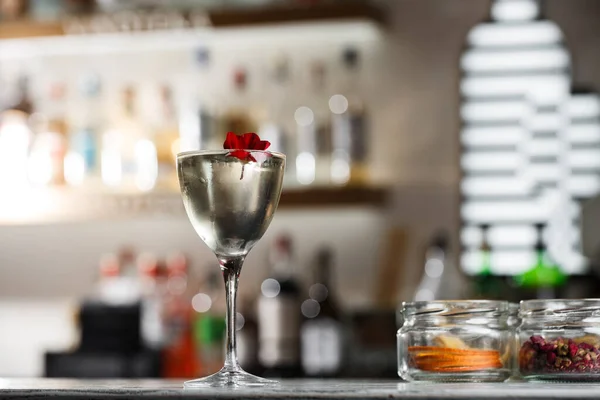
<point>560,308</point>
<point>454,309</point>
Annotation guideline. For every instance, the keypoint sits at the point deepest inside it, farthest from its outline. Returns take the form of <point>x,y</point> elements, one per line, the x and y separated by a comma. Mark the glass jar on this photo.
<point>455,341</point>
<point>514,320</point>
<point>559,340</point>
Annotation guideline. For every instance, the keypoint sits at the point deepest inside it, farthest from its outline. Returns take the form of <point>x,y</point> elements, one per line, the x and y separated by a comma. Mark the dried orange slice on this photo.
<point>443,359</point>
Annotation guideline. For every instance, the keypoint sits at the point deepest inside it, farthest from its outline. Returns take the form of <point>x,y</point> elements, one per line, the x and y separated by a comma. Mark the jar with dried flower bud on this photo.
<point>559,340</point>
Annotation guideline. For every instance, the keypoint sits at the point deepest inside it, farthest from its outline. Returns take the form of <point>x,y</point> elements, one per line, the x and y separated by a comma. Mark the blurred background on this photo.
<point>436,149</point>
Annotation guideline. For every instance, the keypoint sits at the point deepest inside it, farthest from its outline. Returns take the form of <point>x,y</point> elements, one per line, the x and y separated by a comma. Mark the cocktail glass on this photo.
<point>230,202</point>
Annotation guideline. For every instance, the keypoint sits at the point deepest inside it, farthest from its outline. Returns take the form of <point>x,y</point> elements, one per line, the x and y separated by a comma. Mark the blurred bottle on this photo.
<point>82,161</point>
<point>15,138</point>
<point>349,126</point>
<point>114,287</point>
<point>209,324</point>
<point>127,259</point>
<point>11,10</point>
<point>49,147</point>
<point>545,277</point>
<point>236,116</point>
<point>128,156</point>
<point>167,141</point>
<point>152,302</point>
<point>440,281</point>
<point>313,133</point>
<point>198,122</point>
<point>306,137</point>
<point>180,353</point>
<point>44,10</point>
<point>108,273</point>
<point>275,124</point>
<point>319,99</point>
<point>486,285</point>
<point>321,332</point>
<point>279,315</point>
<point>247,336</point>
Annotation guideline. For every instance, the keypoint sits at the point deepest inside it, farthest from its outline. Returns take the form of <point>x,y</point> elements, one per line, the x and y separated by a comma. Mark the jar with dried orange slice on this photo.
<point>466,341</point>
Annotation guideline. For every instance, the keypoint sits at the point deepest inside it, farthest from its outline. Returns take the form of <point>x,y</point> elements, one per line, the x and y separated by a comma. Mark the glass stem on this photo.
<point>231,268</point>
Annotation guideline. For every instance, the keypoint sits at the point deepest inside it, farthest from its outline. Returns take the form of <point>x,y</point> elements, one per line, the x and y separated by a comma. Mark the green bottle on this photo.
<point>545,276</point>
<point>209,324</point>
<point>486,253</point>
<point>485,284</point>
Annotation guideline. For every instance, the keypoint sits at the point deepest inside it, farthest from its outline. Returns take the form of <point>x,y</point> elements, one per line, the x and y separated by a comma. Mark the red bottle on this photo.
<point>179,357</point>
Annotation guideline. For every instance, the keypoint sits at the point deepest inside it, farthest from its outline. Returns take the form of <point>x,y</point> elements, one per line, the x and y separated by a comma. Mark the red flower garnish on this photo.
<point>240,144</point>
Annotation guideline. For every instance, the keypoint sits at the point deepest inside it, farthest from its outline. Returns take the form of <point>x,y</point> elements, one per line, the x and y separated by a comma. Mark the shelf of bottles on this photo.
<point>174,319</point>
<point>86,135</point>
<point>530,147</point>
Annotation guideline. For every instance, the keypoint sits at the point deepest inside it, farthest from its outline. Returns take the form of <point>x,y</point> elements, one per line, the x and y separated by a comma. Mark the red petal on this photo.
<point>250,140</point>
<point>231,141</point>
<point>263,145</point>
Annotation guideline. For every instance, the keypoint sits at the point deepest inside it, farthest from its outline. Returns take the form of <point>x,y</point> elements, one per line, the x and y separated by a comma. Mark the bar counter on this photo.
<point>289,389</point>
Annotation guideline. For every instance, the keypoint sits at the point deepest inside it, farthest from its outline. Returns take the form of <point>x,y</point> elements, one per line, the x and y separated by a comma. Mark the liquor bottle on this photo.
<point>486,284</point>
<point>313,160</point>
<point>152,302</point>
<point>321,332</point>
<point>349,126</point>
<point>198,112</point>
<point>82,161</point>
<point>128,156</point>
<point>179,355</point>
<point>48,150</point>
<point>166,139</point>
<point>15,139</point>
<point>545,277</point>
<point>113,286</point>
<point>209,324</point>
<point>236,116</point>
<point>107,289</point>
<point>319,100</point>
<point>482,281</point>
<point>13,10</point>
<point>279,315</point>
<point>275,125</point>
<point>440,281</point>
<point>306,145</point>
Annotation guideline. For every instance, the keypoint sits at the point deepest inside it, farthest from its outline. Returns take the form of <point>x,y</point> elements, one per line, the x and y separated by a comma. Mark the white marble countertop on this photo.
<point>290,389</point>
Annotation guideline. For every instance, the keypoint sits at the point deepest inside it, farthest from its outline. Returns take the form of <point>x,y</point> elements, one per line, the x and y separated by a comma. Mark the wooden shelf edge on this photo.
<point>66,205</point>
<point>30,29</point>
<point>225,18</point>
<point>350,10</point>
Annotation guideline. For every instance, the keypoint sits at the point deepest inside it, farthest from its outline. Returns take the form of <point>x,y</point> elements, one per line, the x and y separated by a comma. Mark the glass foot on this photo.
<point>229,378</point>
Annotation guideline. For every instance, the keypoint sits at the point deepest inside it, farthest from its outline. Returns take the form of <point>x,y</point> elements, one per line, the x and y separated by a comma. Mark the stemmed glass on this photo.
<point>230,202</point>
